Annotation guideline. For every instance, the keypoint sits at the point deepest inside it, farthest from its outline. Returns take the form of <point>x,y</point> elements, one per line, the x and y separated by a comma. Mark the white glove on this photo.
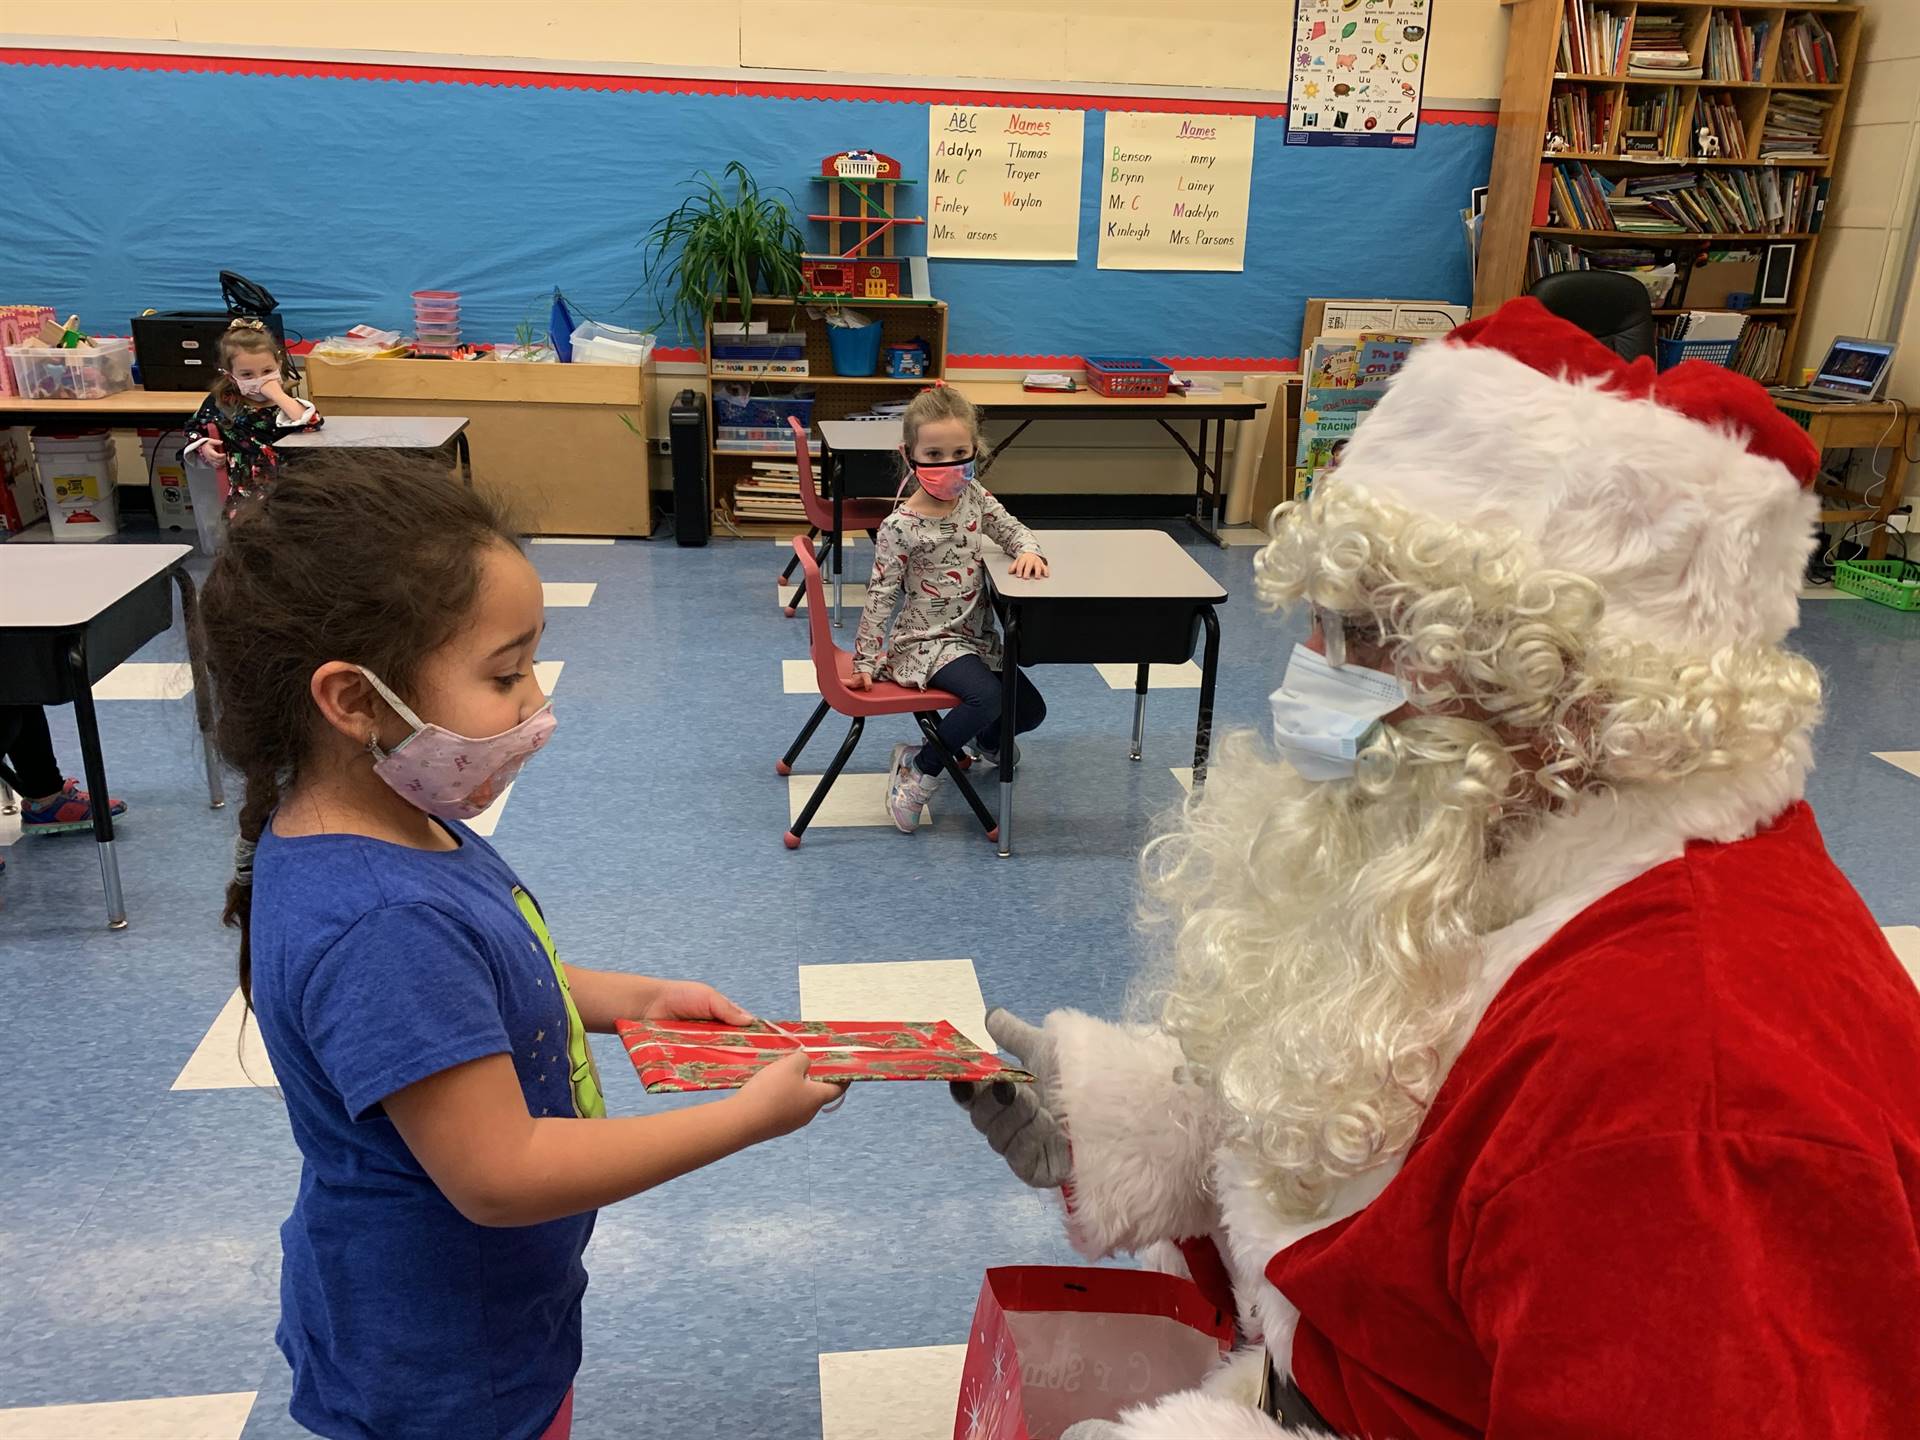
<point>1091,1430</point>
<point>1017,1119</point>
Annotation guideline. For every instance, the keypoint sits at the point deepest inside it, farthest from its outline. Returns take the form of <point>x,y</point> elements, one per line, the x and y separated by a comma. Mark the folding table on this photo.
<point>386,432</point>
<point>68,615</point>
<point>1126,596</point>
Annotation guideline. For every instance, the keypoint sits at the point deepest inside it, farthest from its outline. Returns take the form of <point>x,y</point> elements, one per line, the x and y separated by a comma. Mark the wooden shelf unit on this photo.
<point>835,396</point>
<point>1527,93</point>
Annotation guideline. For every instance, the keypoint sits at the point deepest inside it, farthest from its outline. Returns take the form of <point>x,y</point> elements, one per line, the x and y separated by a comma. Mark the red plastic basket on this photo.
<point>1131,376</point>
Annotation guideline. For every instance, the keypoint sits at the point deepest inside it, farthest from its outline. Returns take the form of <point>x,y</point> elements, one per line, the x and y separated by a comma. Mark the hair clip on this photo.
<point>247,322</point>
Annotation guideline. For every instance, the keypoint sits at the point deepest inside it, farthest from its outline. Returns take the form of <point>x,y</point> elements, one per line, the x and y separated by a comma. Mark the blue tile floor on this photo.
<point>138,1225</point>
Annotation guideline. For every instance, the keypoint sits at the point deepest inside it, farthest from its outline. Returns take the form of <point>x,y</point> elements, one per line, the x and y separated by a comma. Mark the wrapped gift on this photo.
<point>676,1055</point>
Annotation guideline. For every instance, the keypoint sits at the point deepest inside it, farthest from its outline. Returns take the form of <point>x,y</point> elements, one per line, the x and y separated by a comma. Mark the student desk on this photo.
<point>1872,425</point>
<point>838,439</point>
<point>68,615</point>
<point>1131,596</point>
<point>1009,400</point>
<point>386,432</point>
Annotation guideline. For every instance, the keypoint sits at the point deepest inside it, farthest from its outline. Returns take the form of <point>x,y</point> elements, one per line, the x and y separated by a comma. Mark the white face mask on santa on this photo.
<point>1324,713</point>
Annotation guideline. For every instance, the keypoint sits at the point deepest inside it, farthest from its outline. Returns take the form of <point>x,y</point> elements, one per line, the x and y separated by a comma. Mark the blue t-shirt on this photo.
<point>375,966</point>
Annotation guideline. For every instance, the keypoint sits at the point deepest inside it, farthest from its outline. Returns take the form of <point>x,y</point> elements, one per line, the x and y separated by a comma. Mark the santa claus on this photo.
<point>1516,1053</point>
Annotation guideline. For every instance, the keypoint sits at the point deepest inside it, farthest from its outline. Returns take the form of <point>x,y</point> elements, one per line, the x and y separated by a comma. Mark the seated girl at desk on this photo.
<point>929,551</point>
<point>248,409</point>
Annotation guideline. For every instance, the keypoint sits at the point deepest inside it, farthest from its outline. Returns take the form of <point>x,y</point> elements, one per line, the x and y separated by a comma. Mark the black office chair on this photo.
<point>1611,307</point>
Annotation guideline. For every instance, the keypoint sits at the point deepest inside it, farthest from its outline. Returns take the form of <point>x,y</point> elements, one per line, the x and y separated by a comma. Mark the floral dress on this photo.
<point>247,435</point>
<point>931,567</point>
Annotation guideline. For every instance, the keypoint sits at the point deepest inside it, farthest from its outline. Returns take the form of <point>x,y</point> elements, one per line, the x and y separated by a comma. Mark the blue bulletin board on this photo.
<point>344,188</point>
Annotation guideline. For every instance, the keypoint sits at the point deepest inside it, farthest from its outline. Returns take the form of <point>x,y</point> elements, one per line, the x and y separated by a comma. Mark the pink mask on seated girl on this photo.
<point>942,482</point>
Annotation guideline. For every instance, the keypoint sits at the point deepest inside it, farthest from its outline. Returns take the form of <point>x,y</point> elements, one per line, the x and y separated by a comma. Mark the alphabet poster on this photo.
<point>1174,193</point>
<point>1003,184</point>
<point>1358,70</point>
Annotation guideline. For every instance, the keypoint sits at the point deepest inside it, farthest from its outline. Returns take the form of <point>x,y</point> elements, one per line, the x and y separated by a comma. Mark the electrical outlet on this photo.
<point>663,447</point>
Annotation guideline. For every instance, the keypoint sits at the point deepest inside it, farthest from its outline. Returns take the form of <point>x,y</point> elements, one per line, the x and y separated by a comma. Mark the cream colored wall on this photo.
<point>1229,44</point>
<point>1863,244</point>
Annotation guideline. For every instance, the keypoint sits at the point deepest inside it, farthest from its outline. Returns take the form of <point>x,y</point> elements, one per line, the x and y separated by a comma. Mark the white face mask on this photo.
<point>252,387</point>
<point>1323,714</point>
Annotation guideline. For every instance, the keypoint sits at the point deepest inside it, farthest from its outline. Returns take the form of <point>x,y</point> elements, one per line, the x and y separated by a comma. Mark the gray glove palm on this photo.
<point>1018,1120</point>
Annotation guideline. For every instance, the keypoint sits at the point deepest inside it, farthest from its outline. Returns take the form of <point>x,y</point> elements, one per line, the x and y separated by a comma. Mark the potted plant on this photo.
<point>728,238</point>
<point>529,346</point>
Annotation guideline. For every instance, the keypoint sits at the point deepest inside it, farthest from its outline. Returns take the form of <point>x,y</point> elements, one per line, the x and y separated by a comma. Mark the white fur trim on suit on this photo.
<point>1194,1415</point>
<point>1142,1138</point>
<point>1698,542</point>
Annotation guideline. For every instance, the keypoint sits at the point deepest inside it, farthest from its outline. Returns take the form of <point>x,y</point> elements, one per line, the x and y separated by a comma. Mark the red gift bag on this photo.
<point>1056,1344</point>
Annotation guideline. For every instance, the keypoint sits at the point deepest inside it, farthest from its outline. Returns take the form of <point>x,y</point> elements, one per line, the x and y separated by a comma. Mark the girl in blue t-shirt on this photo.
<point>371,634</point>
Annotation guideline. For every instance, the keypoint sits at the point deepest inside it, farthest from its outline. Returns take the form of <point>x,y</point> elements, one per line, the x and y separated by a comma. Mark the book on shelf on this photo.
<point>1652,266</point>
<point>1807,52</point>
<point>1592,38</point>
<point>1731,200</point>
<point>1734,46</point>
<point>1795,127</point>
<point>1581,117</point>
<point>1717,114</point>
<point>1657,49</point>
<point>1762,347</point>
<point>786,369</point>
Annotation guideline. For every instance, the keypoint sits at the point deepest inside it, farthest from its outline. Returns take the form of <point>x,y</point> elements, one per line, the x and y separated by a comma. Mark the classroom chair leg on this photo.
<point>784,765</point>
<point>786,575</point>
<point>1139,710</point>
<point>957,767</point>
<point>814,800</point>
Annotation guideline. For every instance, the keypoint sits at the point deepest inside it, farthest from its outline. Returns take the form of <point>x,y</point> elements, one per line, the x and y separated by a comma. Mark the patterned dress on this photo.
<point>932,569</point>
<point>247,435</point>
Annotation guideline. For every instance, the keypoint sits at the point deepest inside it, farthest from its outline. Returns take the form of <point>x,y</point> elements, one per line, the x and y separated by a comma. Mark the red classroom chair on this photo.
<point>833,669</point>
<point>854,514</point>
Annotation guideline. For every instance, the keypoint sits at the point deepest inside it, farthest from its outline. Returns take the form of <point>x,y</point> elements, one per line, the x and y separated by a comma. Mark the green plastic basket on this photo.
<point>1893,583</point>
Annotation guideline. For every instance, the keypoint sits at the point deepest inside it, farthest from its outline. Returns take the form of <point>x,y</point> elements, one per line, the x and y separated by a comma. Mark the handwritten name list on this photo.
<point>1003,184</point>
<point>1176,190</point>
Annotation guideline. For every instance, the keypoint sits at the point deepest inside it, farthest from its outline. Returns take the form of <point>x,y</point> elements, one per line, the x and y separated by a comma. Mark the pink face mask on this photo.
<point>942,482</point>
<point>452,776</point>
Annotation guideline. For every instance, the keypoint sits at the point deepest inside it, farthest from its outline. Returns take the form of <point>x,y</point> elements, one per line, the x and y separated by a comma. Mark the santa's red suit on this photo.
<point>1668,1183</point>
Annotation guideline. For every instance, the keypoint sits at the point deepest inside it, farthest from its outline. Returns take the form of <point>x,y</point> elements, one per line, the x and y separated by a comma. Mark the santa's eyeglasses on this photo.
<point>1338,632</point>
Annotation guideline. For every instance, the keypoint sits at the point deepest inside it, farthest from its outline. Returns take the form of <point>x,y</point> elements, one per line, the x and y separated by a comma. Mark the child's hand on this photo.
<point>859,681</point>
<point>692,1000</point>
<point>780,1098</point>
<point>272,389</point>
<point>213,453</point>
<point>1030,565</point>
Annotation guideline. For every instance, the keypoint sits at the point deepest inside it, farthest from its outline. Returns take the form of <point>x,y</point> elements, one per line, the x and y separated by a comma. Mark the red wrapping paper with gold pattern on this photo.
<point>681,1055</point>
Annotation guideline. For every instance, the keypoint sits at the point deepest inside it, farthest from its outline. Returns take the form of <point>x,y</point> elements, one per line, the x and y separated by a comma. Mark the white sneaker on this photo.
<point>990,757</point>
<point>907,789</point>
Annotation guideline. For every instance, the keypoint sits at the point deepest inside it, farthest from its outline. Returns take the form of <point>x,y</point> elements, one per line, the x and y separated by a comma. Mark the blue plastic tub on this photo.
<point>856,348</point>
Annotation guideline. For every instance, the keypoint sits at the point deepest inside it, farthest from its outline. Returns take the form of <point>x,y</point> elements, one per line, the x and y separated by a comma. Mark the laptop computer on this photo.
<point>1855,371</point>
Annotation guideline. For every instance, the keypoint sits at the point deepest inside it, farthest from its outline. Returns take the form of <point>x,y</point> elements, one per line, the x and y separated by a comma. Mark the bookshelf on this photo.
<point>835,396</point>
<point>1597,158</point>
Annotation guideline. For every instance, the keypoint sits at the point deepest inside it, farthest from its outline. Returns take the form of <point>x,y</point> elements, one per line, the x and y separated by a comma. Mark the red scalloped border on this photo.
<point>659,84</point>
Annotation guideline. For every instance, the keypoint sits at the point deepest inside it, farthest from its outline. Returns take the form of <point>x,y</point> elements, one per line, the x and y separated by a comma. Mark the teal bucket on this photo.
<point>856,348</point>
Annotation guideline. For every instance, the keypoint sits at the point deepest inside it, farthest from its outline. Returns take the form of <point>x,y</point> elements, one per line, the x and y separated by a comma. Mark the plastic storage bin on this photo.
<point>76,477</point>
<point>738,405</point>
<point>1127,376</point>
<point>596,344</point>
<point>1714,352</point>
<point>856,348</point>
<point>759,349</point>
<point>91,372</point>
<point>1893,583</point>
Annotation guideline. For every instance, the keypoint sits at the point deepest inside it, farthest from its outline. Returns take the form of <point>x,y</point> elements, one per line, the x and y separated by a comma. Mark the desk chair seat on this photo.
<point>833,670</point>
<point>854,514</point>
<point>1612,307</point>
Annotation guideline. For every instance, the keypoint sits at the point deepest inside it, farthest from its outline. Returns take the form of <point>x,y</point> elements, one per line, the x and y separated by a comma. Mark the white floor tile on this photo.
<point>1825,592</point>
<point>852,597</point>
<point>1905,940</point>
<point>797,678</point>
<point>1244,535</point>
<point>1184,676</point>
<point>854,799</point>
<point>906,1394</point>
<point>568,593</point>
<point>898,990</point>
<point>1907,760</point>
<point>547,673</point>
<point>1184,774</point>
<point>571,540</point>
<point>144,680</point>
<point>231,1056</point>
<point>180,1417</point>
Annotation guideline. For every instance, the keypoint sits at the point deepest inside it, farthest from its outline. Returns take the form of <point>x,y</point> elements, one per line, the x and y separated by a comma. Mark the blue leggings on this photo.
<point>977,716</point>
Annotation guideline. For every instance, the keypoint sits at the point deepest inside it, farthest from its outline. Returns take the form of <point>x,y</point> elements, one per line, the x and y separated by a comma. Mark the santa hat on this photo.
<point>1684,495</point>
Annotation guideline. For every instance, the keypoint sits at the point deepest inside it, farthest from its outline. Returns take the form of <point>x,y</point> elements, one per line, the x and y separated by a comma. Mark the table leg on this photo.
<point>1890,496</point>
<point>1009,691</point>
<point>96,783</point>
<point>202,691</point>
<point>466,457</point>
<point>1209,672</point>
<point>1202,516</point>
<point>835,484</point>
<point>1139,710</point>
<point>1217,506</point>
